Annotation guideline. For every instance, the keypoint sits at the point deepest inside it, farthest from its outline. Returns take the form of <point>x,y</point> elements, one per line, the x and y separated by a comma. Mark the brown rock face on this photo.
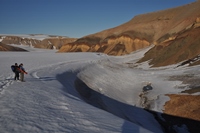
<point>172,31</point>
<point>123,45</point>
<point>186,106</point>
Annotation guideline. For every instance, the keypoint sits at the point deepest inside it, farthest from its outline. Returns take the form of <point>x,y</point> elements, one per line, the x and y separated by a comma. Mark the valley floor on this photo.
<point>52,98</point>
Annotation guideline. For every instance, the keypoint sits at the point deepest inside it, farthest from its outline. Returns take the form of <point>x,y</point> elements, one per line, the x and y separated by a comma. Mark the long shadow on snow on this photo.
<point>76,87</point>
<point>70,83</point>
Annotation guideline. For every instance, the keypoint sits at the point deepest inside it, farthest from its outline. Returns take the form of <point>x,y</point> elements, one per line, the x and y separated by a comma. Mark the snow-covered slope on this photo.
<point>59,87</point>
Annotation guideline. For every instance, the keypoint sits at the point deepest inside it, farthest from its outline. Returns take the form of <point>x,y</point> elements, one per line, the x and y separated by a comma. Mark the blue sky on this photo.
<point>73,18</point>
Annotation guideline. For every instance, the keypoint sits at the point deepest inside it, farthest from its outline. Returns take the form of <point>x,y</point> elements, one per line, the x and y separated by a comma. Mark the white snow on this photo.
<point>1,38</point>
<point>49,100</point>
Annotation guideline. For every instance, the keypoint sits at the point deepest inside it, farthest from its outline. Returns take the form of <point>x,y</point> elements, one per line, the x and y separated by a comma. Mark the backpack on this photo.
<point>13,68</point>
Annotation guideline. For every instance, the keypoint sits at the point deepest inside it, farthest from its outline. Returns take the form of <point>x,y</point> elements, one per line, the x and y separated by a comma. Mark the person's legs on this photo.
<point>22,76</point>
<point>17,76</point>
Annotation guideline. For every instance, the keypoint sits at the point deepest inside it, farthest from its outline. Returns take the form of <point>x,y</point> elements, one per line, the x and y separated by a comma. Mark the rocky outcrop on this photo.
<point>172,31</point>
<point>46,43</point>
<point>186,106</point>
<point>122,45</point>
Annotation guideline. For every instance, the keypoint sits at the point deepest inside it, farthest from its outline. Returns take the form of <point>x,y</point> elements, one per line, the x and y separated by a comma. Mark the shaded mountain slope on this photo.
<point>185,46</point>
<point>4,47</point>
<point>175,26</point>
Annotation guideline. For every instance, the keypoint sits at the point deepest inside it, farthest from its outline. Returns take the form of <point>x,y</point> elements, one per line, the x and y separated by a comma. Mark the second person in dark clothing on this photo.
<point>16,71</point>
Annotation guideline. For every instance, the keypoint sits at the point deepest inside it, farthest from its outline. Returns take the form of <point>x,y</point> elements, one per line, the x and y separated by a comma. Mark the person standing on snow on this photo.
<point>22,72</point>
<point>16,71</point>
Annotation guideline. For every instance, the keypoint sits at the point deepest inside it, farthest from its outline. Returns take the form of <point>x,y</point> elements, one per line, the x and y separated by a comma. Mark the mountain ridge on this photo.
<point>37,40</point>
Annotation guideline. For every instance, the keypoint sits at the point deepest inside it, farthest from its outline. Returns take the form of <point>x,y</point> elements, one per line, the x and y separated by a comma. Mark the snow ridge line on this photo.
<point>57,64</point>
<point>5,83</point>
<point>34,74</point>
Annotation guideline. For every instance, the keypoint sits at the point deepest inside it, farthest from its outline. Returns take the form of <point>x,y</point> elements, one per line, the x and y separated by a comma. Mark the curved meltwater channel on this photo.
<point>127,112</point>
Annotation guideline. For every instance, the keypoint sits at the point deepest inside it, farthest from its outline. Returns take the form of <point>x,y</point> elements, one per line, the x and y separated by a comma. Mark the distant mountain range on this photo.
<point>37,40</point>
<point>174,33</point>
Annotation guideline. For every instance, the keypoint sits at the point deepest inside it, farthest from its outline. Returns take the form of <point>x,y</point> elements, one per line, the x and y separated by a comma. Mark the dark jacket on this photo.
<point>16,69</point>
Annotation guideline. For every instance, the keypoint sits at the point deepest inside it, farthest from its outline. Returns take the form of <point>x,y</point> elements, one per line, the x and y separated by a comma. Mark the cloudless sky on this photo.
<point>74,18</point>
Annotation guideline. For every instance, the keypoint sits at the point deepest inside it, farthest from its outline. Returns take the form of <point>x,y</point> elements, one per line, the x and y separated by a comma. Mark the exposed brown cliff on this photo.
<point>186,106</point>
<point>171,31</point>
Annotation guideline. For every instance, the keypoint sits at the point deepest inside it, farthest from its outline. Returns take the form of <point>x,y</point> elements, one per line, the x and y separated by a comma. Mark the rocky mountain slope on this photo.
<point>4,47</point>
<point>47,42</point>
<point>174,32</point>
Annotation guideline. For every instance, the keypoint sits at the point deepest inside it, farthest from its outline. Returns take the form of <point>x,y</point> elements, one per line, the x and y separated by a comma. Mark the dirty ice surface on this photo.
<point>56,93</point>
